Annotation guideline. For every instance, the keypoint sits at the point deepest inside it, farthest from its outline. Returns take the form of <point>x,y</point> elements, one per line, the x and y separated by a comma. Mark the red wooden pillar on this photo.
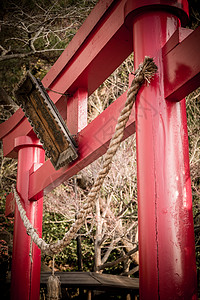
<point>25,281</point>
<point>166,234</point>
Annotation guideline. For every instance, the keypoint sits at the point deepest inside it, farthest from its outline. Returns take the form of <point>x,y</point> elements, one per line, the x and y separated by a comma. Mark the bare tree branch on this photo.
<point>23,55</point>
<point>131,272</point>
<point>116,262</point>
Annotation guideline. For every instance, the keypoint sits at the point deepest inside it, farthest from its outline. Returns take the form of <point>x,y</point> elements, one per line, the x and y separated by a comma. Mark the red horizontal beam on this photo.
<point>99,47</point>
<point>11,123</point>
<point>23,128</point>
<point>90,58</point>
<point>182,66</point>
<point>78,40</point>
<point>93,142</point>
<point>177,37</point>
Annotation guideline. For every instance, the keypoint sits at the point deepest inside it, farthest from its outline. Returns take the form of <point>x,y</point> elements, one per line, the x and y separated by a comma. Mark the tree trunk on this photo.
<point>97,247</point>
<point>7,101</point>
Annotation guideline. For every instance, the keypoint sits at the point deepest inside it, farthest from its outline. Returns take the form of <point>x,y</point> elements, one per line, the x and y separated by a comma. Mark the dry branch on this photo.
<point>116,262</point>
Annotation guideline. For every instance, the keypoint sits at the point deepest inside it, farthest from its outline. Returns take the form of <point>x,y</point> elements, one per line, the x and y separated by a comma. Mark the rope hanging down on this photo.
<point>144,73</point>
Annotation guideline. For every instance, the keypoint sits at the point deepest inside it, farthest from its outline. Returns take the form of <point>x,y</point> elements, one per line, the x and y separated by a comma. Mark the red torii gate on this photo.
<point>112,31</point>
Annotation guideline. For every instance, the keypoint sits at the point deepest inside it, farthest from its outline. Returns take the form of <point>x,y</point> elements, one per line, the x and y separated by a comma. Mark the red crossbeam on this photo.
<point>91,145</point>
<point>93,141</point>
<point>93,54</point>
<point>182,66</point>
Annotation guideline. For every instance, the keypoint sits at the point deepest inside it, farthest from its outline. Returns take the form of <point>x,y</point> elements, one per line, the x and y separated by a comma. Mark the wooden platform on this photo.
<point>94,281</point>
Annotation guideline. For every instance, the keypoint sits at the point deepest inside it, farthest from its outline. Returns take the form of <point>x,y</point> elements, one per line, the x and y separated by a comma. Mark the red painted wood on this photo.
<point>166,233</point>
<point>77,111</point>
<point>89,71</point>
<point>78,40</point>
<point>33,169</point>
<point>22,129</point>
<point>182,68</point>
<point>99,37</point>
<point>10,205</point>
<point>177,37</point>
<point>93,141</point>
<point>167,263</point>
<point>11,123</point>
<point>25,281</point>
<point>75,68</point>
<point>177,7</point>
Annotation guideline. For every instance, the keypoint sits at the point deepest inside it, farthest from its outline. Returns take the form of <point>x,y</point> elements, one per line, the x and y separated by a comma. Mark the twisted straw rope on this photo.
<point>145,71</point>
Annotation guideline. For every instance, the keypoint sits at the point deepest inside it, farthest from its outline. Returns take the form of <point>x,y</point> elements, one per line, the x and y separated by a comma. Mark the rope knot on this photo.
<point>147,70</point>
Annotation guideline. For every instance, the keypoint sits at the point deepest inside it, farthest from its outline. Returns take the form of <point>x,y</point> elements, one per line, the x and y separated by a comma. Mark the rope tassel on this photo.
<point>145,72</point>
<point>53,286</point>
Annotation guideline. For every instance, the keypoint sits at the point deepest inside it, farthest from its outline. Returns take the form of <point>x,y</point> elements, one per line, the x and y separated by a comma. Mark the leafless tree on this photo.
<point>41,30</point>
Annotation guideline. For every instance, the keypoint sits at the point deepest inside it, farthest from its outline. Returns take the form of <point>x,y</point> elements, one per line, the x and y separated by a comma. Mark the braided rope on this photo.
<point>144,73</point>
